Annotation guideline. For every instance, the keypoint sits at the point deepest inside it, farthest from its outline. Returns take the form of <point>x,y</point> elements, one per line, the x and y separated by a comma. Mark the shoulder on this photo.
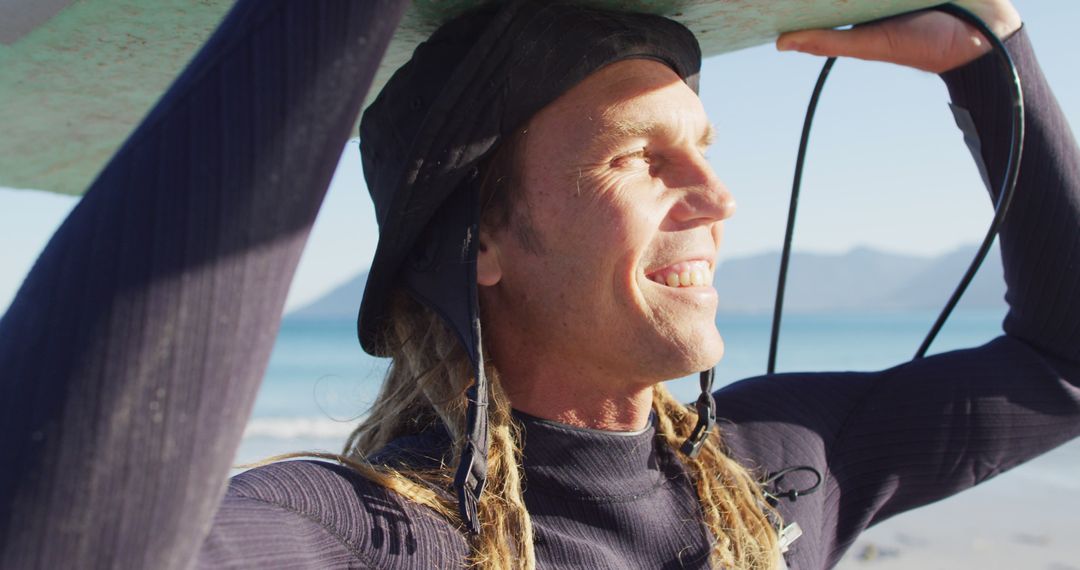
<point>773,422</point>
<point>337,505</point>
<point>816,401</point>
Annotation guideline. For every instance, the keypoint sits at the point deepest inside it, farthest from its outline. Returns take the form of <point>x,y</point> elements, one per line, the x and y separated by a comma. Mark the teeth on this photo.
<point>684,274</point>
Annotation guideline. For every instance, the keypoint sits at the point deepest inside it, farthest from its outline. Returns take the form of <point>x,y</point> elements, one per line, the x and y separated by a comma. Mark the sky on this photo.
<point>886,166</point>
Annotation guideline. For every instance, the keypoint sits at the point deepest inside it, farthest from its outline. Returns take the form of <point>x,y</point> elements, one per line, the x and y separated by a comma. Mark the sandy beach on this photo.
<point>1025,519</point>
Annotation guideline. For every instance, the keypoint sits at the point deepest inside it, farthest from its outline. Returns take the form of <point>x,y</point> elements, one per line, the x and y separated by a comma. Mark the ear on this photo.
<point>488,268</point>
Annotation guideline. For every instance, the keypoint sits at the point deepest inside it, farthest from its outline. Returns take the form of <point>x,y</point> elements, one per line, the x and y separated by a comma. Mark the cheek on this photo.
<point>625,213</point>
<point>631,220</point>
<point>597,229</point>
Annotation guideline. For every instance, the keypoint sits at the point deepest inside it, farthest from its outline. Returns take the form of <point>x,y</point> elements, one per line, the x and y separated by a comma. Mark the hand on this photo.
<point>930,41</point>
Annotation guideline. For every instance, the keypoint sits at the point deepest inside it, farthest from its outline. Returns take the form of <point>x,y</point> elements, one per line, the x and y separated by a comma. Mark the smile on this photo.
<point>697,273</point>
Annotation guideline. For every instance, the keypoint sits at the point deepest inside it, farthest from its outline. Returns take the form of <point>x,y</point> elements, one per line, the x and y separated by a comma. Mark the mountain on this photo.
<point>860,280</point>
<point>816,282</point>
<point>341,302</point>
<point>931,287</point>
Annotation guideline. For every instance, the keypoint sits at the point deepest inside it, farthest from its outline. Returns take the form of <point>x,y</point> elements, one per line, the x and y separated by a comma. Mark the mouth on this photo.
<point>694,273</point>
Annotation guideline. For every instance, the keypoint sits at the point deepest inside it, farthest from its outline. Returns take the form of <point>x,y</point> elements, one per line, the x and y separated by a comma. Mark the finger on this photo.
<point>870,42</point>
<point>1000,15</point>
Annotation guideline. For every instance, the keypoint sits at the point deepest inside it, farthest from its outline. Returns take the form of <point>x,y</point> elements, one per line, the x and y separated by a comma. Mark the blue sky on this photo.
<point>886,168</point>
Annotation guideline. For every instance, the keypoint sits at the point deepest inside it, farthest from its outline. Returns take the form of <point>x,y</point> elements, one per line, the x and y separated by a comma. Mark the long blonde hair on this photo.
<point>426,384</point>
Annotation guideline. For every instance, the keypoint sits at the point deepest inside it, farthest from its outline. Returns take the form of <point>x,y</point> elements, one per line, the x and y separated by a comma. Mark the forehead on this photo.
<point>617,96</point>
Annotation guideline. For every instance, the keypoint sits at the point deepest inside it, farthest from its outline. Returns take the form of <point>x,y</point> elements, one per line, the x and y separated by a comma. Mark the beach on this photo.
<point>1026,518</point>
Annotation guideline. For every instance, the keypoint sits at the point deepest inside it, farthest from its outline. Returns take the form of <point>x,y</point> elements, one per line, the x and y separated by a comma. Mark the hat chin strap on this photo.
<point>472,467</point>
<point>706,410</point>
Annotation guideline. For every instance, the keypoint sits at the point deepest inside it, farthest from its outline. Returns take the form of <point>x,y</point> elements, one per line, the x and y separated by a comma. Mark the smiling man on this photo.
<point>548,231</point>
<point>626,214</point>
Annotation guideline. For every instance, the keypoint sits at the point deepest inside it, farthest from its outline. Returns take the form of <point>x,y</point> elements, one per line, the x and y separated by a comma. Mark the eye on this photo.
<point>631,159</point>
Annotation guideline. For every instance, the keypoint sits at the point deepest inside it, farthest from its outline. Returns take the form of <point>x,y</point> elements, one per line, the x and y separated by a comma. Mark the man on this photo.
<point>560,206</point>
<point>600,220</point>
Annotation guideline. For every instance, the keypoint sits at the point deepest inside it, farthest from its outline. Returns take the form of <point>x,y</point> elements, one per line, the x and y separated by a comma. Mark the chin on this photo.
<point>709,353</point>
<point>695,351</point>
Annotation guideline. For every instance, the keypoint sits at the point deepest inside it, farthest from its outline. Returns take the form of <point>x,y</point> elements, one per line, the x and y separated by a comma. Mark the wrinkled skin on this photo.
<point>617,186</point>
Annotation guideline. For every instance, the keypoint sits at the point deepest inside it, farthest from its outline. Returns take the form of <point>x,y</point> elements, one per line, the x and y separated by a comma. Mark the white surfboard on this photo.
<point>77,77</point>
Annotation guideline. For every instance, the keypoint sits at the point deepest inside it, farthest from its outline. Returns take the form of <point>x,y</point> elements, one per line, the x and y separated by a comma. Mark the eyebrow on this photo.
<point>620,130</point>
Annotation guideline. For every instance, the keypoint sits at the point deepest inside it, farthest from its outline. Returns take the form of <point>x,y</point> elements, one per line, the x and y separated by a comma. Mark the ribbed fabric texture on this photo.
<point>132,354</point>
<point>131,360</point>
<point>270,514</point>
<point>597,500</point>
<point>602,500</point>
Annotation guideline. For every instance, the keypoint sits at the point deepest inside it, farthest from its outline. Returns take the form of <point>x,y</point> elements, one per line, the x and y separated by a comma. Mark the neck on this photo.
<point>574,400</point>
<point>547,381</point>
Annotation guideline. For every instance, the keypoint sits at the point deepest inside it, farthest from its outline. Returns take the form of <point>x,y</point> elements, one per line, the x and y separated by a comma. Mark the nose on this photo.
<point>704,198</point>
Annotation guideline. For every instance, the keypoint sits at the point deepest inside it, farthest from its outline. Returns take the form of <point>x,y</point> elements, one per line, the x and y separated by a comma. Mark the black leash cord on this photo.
<point>785,257</point>
<point>1012,169</point>
<point>1012,173</point>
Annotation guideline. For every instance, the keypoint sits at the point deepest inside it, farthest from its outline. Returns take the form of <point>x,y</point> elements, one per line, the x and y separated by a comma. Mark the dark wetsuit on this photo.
<point>132,354</point>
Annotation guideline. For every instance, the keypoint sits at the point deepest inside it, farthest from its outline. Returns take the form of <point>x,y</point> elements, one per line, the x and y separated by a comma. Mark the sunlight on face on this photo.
<point>630,216</point>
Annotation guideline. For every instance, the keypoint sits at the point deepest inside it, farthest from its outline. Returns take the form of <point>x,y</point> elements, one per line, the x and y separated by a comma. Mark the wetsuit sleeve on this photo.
<point>1040,239</point>
<point>312,514</point>
<point>132,353</point>
<point>256,534</point>
<point>894,440</point>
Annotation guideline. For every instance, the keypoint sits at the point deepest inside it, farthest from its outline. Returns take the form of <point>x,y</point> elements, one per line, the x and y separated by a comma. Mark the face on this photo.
<point>626,219</point>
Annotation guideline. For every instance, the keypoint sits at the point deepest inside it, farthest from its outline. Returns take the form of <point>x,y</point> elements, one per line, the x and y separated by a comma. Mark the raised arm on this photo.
<point>893,440</point>
<point>1040,240</point>
<point>133,351</point>
<point>925,430</point>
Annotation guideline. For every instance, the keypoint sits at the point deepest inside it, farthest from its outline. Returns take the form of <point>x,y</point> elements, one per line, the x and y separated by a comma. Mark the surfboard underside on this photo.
<point>77,77</point>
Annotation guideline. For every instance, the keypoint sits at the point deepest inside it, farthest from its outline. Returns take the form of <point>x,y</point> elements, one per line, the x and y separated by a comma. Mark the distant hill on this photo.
<point>816,282</point>
<point>341,302</point>
<point>862,279</point>
<point>931,287</point>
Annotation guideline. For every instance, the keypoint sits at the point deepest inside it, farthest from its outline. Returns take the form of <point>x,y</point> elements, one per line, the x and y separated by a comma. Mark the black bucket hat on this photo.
<point>472,83</point>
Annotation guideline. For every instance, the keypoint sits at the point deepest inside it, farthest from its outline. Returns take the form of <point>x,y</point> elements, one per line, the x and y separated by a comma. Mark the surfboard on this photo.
<point>77,77</point>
